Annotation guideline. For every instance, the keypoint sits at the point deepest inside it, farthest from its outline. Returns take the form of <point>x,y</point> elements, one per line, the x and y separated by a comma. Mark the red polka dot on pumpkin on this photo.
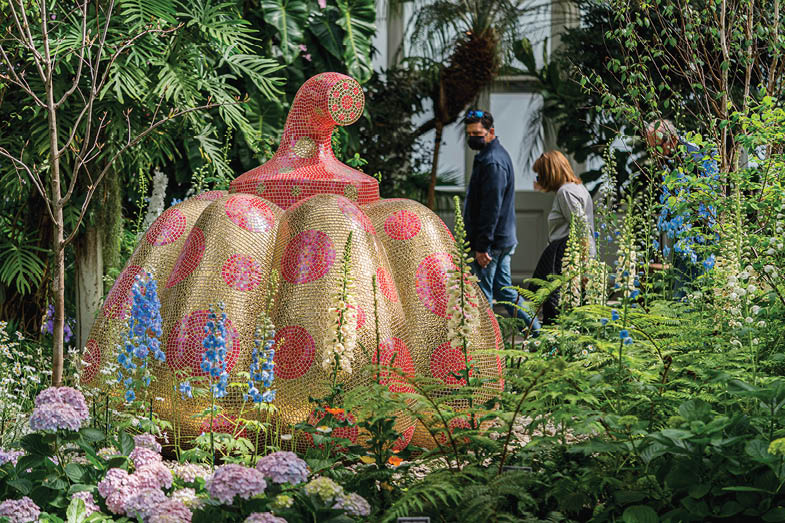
<point>184,350</point>
<point>118,301</point>
<point>460,422</point>
<point>241,272</point>
<point>406,438</point>
<point>92,358</point>
<point>497,333</point>
<point>249,212</point>
<point>394,353</point>
<point>402,225</point>
<point>307,257</point>
<point>355,214</point>
<point>210,196</point>
<point>294,352</point>
<point>167,228</point>
<point>351,432</point>
<point>447,362</point>
<point>431,282</point>
<point>190,256</point>
<point>386,284</point>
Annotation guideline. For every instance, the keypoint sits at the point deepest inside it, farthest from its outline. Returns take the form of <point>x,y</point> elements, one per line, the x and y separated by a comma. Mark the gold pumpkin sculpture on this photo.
<point>294,214</point>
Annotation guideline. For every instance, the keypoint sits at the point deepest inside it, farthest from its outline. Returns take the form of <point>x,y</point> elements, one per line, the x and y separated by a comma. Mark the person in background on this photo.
<point>681,229</point>
<point>554,174</point>
<point>489,214</point>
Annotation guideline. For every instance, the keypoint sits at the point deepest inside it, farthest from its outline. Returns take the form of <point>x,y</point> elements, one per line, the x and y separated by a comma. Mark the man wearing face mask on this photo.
<point>489,213</point>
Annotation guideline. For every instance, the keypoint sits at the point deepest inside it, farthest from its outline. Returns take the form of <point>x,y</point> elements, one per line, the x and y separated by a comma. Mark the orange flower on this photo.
<point>394,461</point>
<point>334,412</point>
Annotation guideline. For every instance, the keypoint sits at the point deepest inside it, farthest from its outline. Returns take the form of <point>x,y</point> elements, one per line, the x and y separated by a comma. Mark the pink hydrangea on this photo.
<point>55,416</point>
<point>154,475</point>
<point>10,456</point>
<point>188,472</point>
<point>233,480</point>
<point>70,396</point>
<point>171,511</point>
<point>264,517</point>
<point>147,441</point>
<point>89,502</point>
<point>144,503</point>
<point>116,487</point>
<point>19,510</point>
<point>283,467</point>
<point>142,456</point>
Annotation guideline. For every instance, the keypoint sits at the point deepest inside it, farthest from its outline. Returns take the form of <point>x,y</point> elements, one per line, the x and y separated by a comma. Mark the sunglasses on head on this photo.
<point>475,114</point>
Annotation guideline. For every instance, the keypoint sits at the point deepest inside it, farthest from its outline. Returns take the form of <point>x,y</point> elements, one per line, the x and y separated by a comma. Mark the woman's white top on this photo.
<point>571,198</point>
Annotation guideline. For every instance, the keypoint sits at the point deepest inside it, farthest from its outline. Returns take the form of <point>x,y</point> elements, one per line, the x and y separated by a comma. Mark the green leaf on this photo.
<point>523,51</point>
<point>357,19</point>
<point>775,514</point>
<point>327,32</point>
<point>77,511</point>
<point>91,435</point>
<point>698,490</point>
<point>75,472</point>
<point>126,443</point>
<point>695,410</point>
<point>288,17</point>
<point>23,486</point>
<point>640,514</point>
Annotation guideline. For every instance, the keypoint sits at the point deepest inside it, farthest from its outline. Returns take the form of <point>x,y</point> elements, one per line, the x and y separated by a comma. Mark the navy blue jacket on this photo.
<point>489,211</point>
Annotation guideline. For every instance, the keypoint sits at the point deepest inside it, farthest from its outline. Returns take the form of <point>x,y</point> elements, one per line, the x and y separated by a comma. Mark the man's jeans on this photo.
<point>494,277</point>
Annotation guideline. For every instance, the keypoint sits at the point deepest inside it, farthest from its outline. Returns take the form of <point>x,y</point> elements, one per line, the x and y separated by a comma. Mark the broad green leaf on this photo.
<point>76,512</point>
<point>775,514</point>
<point>640,514</point>
<point>326,30</point>
<point>289,18</point>
<point>525,53</point>
<point>357,19</point>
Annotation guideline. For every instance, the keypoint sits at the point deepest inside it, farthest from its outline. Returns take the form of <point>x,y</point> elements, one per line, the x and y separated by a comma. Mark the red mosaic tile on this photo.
<point>402,225</point>
<point>189,259</point>
<point>307,257</point>
<point>406,438</point>
<point>210,196</point>
<point>249,212</point>
<point>395,354</point>
<point>446,361</point>
<point>295,351</point>
<point>242,273</point>
<point>118,301</point>
<point>356,215</point>
<point>184,349</point>
<point>386,284</point>
<point>93,358</point>
<point>167,228</point>
<point>431,282</point>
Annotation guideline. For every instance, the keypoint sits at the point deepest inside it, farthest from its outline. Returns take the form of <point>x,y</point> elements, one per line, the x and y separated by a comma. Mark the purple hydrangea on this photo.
<point>171,511</point>
<point>354,504</point>
<point>147,441</point>
<point>154,475</point>
<point>233,480</point>
<point>143,503</point>
<point>89,502</point>
<point>116,488</point>
<point>142,456</point>
<point>283,467</point>
<point>264,517</point>
<point>188,472</point>
<point>10,456</point>
<point>19,510</point>
<point>67,395</point>
<point>55,416</point>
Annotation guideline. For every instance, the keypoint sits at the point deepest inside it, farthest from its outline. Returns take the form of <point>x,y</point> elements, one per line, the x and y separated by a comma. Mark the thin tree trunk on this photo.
<point>435,165</point>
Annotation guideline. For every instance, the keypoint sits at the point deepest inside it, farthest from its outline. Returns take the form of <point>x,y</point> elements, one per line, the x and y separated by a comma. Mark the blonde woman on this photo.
<point>554,174</point>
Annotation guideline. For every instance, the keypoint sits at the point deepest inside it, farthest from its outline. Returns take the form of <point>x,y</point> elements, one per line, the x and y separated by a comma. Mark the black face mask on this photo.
<point>477,142</point>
